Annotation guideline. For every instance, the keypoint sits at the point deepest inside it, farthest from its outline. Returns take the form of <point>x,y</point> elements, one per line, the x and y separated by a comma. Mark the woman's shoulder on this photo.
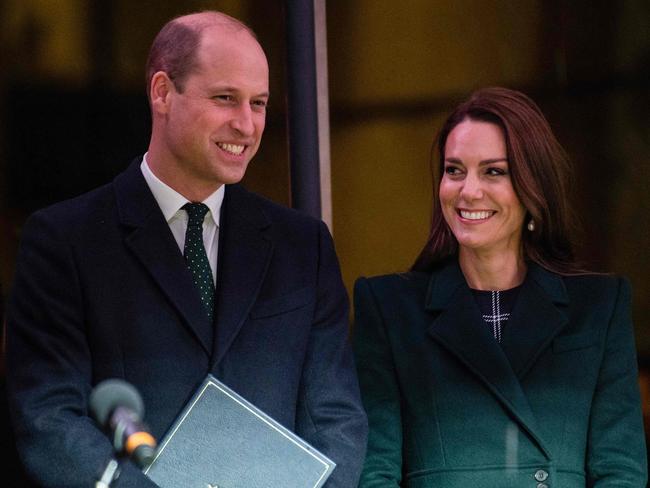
<point>393,282</point>
<point>593,285</point>
<point>587,291</point>
<point>410,285</point>
<point>399,298</point>
<point>584,284</point>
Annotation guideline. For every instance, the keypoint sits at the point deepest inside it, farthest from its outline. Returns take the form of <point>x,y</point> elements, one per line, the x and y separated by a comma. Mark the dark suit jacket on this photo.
<point>556,404</point>
<point>102,291</point>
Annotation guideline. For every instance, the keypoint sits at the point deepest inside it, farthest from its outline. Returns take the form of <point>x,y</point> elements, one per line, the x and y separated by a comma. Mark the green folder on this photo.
<point>220,440</point>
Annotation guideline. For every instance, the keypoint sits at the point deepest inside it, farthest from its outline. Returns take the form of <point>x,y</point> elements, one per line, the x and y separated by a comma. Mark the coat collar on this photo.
<point>459,328</point>
<point>537,317</point>
<point>244,255</point>
<point>245,250</point>
<point>149,238</point>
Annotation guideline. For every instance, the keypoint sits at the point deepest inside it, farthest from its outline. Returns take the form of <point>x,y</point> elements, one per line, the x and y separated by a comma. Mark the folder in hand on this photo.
<point>221,440</point>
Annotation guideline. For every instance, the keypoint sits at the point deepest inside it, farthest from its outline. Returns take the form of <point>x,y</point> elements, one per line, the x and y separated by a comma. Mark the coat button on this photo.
<point>542,485</point>
<point>541,475</point>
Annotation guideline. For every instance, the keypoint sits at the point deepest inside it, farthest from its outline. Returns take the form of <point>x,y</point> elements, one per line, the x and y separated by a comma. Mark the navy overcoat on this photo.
<point>102,291</point>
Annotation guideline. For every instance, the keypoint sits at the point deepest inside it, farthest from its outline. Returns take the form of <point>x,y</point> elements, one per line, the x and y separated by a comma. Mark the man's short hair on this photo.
<point>174,48</point>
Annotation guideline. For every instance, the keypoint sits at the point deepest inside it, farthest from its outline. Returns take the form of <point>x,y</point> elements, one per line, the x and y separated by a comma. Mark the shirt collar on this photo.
<point>170,201</point>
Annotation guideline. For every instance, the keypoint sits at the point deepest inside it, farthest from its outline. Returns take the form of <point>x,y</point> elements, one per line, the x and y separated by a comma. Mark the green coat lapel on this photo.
<point>536,318</point>
<point>460,329</point>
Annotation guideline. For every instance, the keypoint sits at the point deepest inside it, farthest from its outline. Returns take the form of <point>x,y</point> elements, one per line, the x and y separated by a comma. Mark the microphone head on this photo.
<point>113,393</point>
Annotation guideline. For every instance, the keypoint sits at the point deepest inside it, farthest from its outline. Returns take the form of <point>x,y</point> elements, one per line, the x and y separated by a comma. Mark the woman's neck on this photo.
<point>492,272</point>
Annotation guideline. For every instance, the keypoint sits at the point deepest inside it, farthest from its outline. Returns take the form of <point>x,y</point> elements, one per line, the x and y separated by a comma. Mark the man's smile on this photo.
<point>235,149</point>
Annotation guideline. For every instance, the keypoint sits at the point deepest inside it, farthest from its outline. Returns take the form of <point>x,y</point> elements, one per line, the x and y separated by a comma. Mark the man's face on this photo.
<point>214,126</point>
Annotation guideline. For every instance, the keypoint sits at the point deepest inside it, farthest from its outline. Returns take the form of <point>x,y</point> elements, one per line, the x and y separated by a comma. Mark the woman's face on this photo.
<point>476,193</point>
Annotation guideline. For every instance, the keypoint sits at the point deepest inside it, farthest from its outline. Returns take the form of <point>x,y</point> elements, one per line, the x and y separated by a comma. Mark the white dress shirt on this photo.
<point>171,203</point>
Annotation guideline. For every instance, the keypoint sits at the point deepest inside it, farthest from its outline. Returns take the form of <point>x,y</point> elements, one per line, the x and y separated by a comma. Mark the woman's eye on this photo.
<point>496,171</point>
<point>452,170</point>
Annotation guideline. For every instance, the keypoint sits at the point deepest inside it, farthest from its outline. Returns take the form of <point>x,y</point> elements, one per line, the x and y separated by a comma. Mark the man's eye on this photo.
<point>259,103</point>
<point>224,98</point>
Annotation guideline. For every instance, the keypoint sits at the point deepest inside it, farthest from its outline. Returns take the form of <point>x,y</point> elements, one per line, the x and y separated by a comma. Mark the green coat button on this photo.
<point>541,475</point>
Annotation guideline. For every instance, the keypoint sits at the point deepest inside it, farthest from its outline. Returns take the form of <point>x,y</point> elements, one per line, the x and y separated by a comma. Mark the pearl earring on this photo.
<point>531,225</point>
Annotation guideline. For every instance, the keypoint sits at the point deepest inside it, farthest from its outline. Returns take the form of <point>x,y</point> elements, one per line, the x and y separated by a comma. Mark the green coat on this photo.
<point>555,405</point>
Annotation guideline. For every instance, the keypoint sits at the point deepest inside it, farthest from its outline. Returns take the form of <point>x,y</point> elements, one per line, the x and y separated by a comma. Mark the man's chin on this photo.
<point>232,177</point>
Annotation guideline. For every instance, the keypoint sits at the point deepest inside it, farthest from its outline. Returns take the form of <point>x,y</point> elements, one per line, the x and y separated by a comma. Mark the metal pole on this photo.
<point>303,107</point>
<point>322,90</point>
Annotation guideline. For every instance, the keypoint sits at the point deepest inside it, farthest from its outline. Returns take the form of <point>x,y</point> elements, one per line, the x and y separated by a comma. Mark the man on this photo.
<point>103,289</point>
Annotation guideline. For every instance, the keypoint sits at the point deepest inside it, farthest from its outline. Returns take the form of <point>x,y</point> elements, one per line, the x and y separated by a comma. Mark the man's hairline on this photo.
<point>225,20</point>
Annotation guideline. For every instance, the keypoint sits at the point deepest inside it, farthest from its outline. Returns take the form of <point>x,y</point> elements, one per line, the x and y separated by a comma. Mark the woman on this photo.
<point>497,361</point>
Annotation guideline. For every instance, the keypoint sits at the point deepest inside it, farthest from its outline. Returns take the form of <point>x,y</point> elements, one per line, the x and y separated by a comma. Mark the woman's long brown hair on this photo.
<point>540,172</point>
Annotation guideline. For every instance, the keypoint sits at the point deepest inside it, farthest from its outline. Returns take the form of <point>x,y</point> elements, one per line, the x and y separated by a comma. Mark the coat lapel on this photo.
<point>536,318</point>
<point>460,329</point>
<point>244,255</point>
<point>149,238</point>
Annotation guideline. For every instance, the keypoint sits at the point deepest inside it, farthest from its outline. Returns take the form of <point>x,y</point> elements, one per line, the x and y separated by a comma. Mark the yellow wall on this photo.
<point>42,38</point>
<point>395,68</point>
<point>405,50</point>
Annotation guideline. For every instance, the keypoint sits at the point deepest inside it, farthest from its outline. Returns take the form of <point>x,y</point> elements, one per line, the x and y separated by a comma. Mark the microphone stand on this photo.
<point>109,475</point>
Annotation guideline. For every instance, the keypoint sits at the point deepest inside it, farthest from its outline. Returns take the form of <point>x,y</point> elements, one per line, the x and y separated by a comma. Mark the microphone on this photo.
<point>117,407</point>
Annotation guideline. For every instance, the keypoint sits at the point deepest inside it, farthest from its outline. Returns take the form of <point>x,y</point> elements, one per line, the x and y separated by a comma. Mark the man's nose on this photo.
<point>242,120</point>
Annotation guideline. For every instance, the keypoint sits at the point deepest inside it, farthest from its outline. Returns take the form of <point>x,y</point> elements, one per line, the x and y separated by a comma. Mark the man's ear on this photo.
<point>160,89</point>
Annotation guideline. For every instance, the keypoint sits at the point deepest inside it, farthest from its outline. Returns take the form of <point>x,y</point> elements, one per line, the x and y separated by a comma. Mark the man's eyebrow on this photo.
<point>232,89</point>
